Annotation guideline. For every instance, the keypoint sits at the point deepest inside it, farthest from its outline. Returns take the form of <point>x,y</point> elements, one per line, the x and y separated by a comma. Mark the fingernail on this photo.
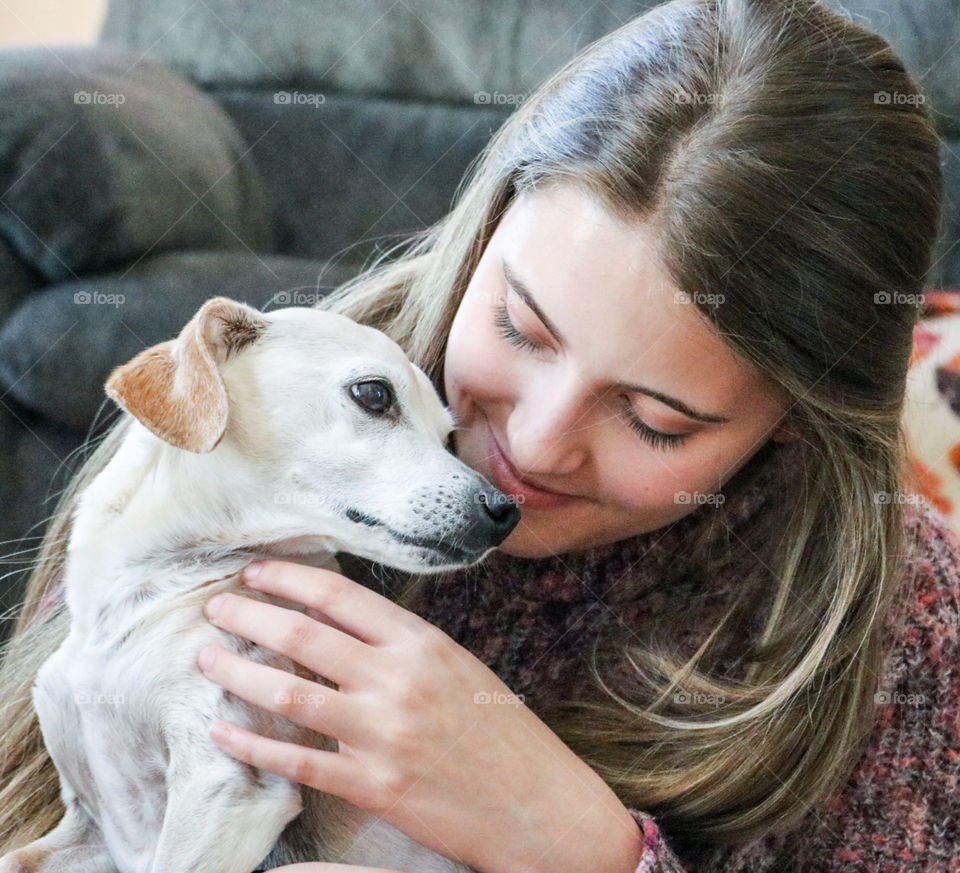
<point>213,605</point>
<point>220,731</point>
<point>207,657</point>
<point>251,571</point>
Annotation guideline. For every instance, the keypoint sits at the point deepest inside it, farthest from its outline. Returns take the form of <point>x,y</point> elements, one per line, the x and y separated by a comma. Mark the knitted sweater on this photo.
<point>529,620</point>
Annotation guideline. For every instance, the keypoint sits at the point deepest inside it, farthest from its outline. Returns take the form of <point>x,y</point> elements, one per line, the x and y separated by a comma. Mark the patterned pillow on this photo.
<point>931,415</point>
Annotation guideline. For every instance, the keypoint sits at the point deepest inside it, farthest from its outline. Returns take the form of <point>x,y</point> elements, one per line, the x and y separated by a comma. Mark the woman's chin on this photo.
<point>526,542</point>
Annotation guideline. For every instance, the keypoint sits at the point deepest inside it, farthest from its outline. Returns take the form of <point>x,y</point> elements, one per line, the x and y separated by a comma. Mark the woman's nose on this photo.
<point>548,435</point>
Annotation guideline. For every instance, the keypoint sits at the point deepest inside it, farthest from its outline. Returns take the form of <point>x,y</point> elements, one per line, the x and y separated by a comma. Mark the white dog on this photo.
<point>294,433</point>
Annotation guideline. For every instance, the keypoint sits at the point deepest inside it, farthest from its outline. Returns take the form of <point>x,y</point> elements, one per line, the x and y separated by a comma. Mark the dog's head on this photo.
<point>343,438</point>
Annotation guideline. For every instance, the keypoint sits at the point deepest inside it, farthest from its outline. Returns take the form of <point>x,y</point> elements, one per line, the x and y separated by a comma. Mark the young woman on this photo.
<point>672,312</point>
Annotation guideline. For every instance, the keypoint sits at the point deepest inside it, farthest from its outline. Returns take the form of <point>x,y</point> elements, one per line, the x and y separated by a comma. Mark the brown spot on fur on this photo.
<point>29,859</point>
<point>240,333</point>
<point>252,777</point>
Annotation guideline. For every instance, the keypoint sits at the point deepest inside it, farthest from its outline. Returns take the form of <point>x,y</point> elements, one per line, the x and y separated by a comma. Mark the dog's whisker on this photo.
<point>11,557</point>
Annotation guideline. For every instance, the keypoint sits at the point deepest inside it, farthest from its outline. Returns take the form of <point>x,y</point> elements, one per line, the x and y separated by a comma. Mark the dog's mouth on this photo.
<point>447,551</point>
<point>361,518</point>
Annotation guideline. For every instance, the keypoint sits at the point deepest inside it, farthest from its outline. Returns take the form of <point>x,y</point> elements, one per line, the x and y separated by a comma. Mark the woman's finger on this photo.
<point>313,706</point>
<point>364,613</point>
<point>330,772</point>
<point>320,648</point>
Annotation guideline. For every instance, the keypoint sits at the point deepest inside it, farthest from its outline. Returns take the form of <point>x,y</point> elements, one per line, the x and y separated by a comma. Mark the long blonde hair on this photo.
<point>749,133</point>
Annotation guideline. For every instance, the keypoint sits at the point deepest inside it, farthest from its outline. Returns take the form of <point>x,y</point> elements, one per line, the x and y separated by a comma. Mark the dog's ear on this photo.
<point>175,389</point>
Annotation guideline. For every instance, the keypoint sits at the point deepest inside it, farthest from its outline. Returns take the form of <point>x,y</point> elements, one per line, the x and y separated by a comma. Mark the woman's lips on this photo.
<point>507,480</point>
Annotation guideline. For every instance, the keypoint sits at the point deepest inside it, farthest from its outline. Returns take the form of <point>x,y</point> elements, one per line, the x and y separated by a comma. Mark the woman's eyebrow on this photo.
<point>523,292</point>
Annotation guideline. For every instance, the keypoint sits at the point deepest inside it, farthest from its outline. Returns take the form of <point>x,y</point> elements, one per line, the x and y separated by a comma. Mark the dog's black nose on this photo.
<point>495,517</point>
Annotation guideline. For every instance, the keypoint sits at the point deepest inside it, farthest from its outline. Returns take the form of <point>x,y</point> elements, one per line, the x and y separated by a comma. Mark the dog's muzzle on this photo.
<point>487,521</point>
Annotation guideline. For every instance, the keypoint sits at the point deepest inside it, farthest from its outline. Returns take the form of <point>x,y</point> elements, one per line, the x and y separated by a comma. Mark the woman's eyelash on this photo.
<point>662,441</point>
<point>502,320</point>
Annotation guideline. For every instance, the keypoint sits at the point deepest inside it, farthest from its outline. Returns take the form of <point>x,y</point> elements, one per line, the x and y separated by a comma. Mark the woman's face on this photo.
<point>567,395</point>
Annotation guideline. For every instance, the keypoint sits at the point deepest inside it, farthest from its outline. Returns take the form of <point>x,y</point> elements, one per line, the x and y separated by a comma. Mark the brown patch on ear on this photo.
<point>175,389</point>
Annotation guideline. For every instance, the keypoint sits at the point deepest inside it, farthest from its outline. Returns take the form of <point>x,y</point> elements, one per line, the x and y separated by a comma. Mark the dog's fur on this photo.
<point>247,444</point>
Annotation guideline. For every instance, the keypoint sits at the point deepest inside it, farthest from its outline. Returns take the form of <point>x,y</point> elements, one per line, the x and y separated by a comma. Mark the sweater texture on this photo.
<point>532,621</point>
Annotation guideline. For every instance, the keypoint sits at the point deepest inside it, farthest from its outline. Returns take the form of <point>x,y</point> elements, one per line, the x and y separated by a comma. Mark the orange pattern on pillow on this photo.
<point>930,485</point>
<point>931,415</point>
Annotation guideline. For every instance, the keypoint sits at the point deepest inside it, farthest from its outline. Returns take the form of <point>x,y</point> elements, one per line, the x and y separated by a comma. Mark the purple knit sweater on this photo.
<point>529,620</point>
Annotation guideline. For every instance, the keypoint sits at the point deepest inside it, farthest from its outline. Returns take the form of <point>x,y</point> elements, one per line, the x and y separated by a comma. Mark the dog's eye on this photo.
<point>374,395</point>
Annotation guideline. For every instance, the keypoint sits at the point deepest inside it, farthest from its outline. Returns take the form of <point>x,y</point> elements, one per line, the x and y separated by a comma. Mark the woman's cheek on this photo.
<point>651,480</point>
<point>650,485</point>
<point>703,471</point>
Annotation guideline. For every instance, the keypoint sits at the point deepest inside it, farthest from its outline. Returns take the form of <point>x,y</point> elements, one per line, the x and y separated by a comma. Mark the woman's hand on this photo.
<point>429,737</point>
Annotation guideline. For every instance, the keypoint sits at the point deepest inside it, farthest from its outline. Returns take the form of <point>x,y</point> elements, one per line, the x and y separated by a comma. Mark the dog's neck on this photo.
<point>174,520</point>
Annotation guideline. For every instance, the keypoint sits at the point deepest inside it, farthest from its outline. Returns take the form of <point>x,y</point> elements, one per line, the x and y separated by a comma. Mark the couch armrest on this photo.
<point>59,346</point>
<point>105,158</point>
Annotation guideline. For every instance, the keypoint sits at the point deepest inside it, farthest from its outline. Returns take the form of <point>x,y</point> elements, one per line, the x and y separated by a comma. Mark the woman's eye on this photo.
<point>659,440</point>
<point>502,320</point>
<point>656,438</point>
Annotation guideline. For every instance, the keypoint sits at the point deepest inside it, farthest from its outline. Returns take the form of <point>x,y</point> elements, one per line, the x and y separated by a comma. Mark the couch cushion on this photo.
<point>36,463</point>
<point>434,49</point>
<point>59,346</point>
<point>17,279</point>
<point>455,50</point>
<point>347,171</point>
<point>105,158</point>
<point>945,270</point>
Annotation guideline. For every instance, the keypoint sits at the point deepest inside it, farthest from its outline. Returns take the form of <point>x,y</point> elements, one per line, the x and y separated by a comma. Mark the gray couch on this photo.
<point>263,151</point>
